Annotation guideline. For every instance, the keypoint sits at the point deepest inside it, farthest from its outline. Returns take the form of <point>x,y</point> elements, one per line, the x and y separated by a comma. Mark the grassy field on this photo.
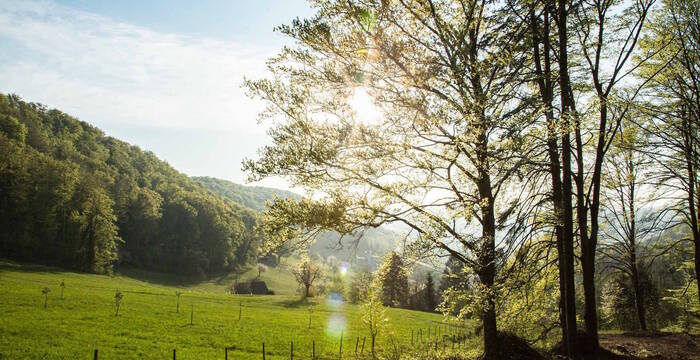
<point>148,325</point>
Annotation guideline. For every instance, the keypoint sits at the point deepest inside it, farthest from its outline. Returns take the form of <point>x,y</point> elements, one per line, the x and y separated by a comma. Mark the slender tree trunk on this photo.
<point>544,81</point>
<point>589,243</point>
<point>692,176</point>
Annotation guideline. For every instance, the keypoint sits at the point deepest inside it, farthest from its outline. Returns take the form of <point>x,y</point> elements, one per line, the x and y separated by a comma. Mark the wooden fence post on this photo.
<point>226,353</point>
<point>340,352</point>
<point>174,354</point>
<point>95,355</point>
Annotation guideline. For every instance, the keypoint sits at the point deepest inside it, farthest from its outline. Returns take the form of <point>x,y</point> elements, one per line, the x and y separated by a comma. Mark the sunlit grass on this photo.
<point>149,327</point>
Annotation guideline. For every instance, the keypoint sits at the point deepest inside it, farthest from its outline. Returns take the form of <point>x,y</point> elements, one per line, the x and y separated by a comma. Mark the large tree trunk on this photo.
<point>639,300</point>
<point>487,256</point>
<point>567,259</point>
<point>487,276</point>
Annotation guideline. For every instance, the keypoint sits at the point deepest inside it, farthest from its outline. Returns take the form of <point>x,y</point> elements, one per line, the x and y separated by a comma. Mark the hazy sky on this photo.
<point>164,75</point>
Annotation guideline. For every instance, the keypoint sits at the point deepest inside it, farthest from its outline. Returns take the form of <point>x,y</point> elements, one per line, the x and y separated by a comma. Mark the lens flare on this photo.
<point>336,325</point>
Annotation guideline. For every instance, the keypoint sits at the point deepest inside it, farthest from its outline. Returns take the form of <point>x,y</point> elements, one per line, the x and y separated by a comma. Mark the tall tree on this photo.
<point>673,103</point>
<point>447,143</point>
<point>429,293</point>
<point>633,226</point>
<point>98,232</point>
<point>607,34</point>
<point>392,280</point>
<point>541,17</point>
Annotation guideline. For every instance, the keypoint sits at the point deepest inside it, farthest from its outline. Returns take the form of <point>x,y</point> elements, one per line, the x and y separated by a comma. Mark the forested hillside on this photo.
<point>72,196</point>
<point>254,197</point>
<point>365,247</point>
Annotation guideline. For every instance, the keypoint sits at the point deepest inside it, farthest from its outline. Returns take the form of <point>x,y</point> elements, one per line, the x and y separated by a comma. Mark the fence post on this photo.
<point>95,355</point>
<point>174,354</point>
<point>263,350</point>
<point>226,353</point>
<point>340,352</point>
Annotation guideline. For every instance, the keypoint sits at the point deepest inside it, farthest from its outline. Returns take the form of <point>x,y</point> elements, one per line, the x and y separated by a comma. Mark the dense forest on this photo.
<point>74,197</point>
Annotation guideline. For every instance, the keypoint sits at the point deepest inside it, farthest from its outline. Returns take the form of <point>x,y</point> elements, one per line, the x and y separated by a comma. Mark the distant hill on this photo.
<point>372,244</point>
<point>253,197</point>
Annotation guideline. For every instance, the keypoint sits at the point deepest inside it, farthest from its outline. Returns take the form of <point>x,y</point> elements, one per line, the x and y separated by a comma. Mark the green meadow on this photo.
<point>148,325</point>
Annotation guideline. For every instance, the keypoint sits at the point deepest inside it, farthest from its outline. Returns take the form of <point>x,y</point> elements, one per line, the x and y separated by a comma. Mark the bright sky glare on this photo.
<point>164,75</point>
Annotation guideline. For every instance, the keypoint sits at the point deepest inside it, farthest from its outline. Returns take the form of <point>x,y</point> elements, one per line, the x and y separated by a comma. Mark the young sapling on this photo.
<point>46,292</point>
<point>177,309</point>
<point>117,301</point>
<point>311,310</point>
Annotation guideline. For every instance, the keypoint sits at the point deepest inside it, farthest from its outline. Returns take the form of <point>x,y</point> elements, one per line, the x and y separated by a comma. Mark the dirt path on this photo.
<point>653,345</point>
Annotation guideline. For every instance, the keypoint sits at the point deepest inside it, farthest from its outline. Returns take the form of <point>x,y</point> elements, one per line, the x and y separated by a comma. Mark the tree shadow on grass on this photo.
<point>175,280</point>
<point>147,276</point>
<point>9,265</point>
<point>295,303</point>
<point>158,278</point>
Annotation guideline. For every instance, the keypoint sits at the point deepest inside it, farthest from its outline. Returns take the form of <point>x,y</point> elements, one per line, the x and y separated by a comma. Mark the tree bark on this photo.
<point>567,212</point>
<point>688,139</point>
<point>487,256</point>
<point>544,82</point>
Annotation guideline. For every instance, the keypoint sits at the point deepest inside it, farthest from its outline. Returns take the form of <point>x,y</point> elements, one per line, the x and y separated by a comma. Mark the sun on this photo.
<point>363,105</point>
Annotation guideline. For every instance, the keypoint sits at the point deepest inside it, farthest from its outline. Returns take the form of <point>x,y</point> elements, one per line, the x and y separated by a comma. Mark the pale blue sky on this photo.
<point>164,75</point>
